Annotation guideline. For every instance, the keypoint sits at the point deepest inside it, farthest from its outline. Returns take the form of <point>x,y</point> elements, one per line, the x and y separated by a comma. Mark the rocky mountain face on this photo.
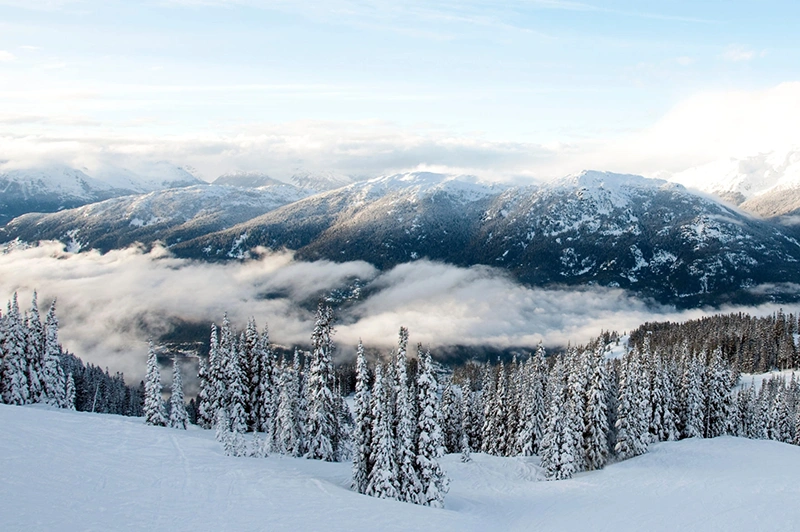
<point>652,237</point>
<point>649,236</point>
<point>54,188</point>
<point>170,216</point>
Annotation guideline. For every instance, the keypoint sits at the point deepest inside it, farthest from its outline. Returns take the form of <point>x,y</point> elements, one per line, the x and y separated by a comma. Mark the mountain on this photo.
<point>147,177</point>
<point>57,187</point>
<point>169,216</point>
<point>319,181</point>
<point>48,189</point>
<point>767,184</point>
<point>653,237</point>
<point>247,180</point>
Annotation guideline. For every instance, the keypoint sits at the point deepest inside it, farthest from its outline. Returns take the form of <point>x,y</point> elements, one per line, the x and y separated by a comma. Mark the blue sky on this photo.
<point>517,87</point>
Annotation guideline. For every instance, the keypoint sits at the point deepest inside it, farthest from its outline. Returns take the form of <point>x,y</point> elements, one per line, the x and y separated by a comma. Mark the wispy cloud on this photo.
<point>738,54</point>
<point>6,56</point>
<point>110,304</point>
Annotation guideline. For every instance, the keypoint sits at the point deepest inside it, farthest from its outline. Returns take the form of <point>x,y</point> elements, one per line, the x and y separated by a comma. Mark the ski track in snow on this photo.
<point>76,471</point>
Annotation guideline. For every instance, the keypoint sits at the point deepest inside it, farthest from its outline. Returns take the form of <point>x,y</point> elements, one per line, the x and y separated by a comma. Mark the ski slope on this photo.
<point>76,471</point>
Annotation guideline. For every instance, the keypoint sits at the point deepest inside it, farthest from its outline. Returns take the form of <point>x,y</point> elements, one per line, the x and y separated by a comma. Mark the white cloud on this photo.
<point>738,53</point>
<point>6,57</point>
<point>109,304</point>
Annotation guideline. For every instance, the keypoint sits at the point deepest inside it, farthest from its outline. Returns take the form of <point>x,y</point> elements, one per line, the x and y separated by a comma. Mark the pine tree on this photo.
<point>268,388</point>
<point>435,483</point>
<point>14,379</point>
<point>321,426</point>
<point>408,482</point>
<point>178,418</point>
<point>383,476</point>
<point>693,399</point>
<point>34,351</point>
<point>558,442</point>
<point>237,392</point>
<point>205,415</point>
<point>53,380</point>
<point>69,393</point>
<point>154,413</point>
<point>362,435</point>
<point>596,426</point>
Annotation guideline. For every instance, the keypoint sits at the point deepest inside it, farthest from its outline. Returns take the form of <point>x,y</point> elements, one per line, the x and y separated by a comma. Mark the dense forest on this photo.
<point>35,369</point>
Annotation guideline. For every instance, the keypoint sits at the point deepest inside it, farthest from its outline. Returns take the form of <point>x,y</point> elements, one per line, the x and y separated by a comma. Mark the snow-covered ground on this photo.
<point>757,379</point>
<point>76,471</point>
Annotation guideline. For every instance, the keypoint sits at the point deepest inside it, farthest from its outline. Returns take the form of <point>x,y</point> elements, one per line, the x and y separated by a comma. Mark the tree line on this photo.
<point>34,368</point>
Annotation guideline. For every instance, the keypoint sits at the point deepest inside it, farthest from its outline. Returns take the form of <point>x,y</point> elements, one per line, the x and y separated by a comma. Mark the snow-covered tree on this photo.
<point>237,391</point>
<point>322,424</point>
<point>596,426</point>
<point>69,393</point>
<point>383,476</point>
<point>557,449</point>
<point>154,413</point>
<point>205,415</point>
<point>34,349</point>
<point>408,483</point>
<point>435,483</point>
<point>178,418</point>
<point>693,398</point>
<point>14,379</point>
<point>362,434</point>
<point>53,379</point>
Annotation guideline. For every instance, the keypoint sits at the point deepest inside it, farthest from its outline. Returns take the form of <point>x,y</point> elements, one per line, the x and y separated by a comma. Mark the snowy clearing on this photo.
<point>67,471</point>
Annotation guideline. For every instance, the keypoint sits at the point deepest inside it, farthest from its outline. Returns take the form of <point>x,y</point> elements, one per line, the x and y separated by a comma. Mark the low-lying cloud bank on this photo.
<point>109,304</point>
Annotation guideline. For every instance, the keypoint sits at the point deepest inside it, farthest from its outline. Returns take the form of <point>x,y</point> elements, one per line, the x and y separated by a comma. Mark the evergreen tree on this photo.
<point>596,426</point>
<point>383,476</point>
<point>693,399</point>
<point>154,413</point>
<point>408,483</point>
<point>53,379</point>
<point>558,442</point>
<point>237,392</point>
<point>322,427</point>
<point>69,393</point>
<point>362,436</point>
<point>205,414</point>
<point>267,387</point>
<point>34,350</point>
<point>178,418</point>
<point>15,381</point>
<point>429,437</point>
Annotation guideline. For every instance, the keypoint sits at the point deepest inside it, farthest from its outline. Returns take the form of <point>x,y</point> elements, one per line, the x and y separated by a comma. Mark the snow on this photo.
<point>59,180</point>
<point>757,379</point>
<point>77,471</point>
<point>749,177</point>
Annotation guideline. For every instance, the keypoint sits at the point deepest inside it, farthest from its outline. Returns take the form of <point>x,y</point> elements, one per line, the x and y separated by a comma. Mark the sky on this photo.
<point>517,89</point>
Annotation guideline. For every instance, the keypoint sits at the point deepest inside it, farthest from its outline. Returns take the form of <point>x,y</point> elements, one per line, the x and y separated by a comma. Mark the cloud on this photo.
<point>110,304</point>
<point>703,128</point>
<point>6,57</point>
<point>737,54</point>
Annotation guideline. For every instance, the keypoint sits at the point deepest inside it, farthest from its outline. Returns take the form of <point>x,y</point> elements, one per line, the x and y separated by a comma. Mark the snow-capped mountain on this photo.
<point>246,179</point>
<point>650,236</point>
<point>767,184</point>
<point>319,181</point>
<point>48,188</point>
<point>147,177</point>
<point>169,216</point>
<point>57,187</point>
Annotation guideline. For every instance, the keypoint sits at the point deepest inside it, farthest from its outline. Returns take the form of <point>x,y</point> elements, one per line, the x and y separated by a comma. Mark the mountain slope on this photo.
<point>650,236</point>
<point>48,189</point>
<point>68,471</point>
<point>168,215</point>
<point>54,188</point>
<point>767,184</point>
